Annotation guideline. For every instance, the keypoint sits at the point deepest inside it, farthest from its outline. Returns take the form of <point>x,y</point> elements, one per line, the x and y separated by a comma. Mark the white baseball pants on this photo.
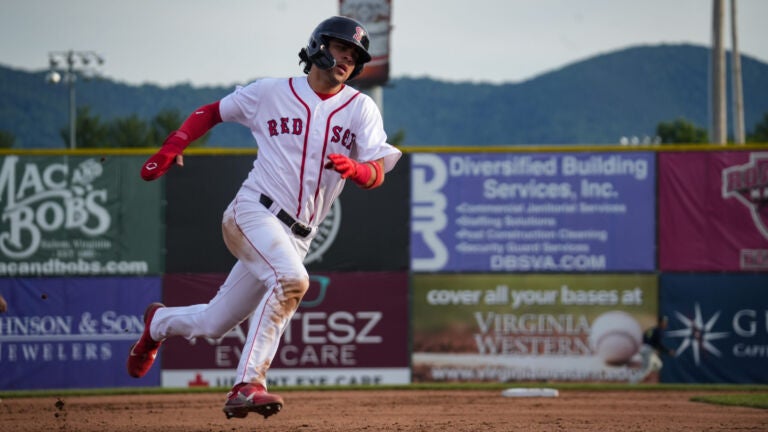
<point>266,285</point>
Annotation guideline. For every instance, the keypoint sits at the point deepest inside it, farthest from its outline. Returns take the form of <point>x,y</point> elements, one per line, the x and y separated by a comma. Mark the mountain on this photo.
<point>594,101</point>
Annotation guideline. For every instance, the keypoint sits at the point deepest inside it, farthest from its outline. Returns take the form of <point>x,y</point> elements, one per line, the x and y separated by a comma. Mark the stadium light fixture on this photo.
<point>65,66</point>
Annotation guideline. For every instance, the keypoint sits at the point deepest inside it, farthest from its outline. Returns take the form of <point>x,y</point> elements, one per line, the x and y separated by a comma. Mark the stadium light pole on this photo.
<point>719,122</point>
<point>736,80</point>
<point>66,66</point>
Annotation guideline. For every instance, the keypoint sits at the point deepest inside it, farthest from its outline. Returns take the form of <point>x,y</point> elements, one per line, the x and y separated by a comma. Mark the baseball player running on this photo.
<point>313,133</point>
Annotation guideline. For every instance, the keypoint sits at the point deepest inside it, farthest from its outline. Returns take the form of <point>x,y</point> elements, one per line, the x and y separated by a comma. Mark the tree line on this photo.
<point>133,132</point>
<point>682,131</point>
<point>124,132</point>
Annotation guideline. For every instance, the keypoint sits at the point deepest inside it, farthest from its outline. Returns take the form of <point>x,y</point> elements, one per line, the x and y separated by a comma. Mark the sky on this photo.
<point>230,42</point>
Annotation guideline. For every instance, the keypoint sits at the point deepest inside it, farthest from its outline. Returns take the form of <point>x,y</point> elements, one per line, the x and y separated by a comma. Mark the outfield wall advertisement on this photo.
<point>63,333</point>
<point>545,212</point>
<point>490,327</point>
<point>718,327</point>
<point>72,215</point>
<point>351,328</point>
<point>377,217</point>
<point>713,211</point>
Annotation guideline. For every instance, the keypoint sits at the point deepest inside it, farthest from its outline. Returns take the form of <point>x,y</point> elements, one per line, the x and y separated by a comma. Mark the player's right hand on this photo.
<point>168,155</point>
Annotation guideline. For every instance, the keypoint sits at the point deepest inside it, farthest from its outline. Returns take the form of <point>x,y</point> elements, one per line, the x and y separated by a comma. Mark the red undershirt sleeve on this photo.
<point>201,121</point>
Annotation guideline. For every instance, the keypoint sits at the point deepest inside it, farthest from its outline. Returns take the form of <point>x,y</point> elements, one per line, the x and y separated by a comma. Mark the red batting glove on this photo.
<point>159,163</point>
<point>351,169</point>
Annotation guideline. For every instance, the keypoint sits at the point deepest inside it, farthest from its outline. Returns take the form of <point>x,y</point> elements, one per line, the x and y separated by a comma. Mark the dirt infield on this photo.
<point>387,410</point>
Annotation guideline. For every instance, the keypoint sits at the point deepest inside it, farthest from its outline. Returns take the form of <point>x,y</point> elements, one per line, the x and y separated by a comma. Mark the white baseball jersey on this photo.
<point>296,130</point>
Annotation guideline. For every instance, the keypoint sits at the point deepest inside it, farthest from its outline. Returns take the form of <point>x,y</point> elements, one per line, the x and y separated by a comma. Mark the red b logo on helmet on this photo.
<point>359,33</point>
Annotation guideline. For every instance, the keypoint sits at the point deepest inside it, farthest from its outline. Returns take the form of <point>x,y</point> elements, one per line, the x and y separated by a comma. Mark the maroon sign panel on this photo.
<point>346,320</point>
<point>713,211</point>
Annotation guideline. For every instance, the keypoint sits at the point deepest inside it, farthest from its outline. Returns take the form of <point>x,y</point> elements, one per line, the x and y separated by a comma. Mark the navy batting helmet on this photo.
<point>338,27</point>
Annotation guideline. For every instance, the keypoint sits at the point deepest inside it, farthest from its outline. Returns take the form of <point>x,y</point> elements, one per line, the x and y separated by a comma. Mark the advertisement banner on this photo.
<point>78,215</point>
<point>195,204</point>
<point>544,212</point>
<point>351,328</point>
<point>713,211</point>
<point>376,16</point>
<point>504,328</point>
<point>718,328</point>
<point>377,217</point>
<point>66,333</point>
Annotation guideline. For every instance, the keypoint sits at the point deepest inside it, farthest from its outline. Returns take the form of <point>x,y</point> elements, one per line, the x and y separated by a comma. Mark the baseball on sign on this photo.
<point>616,337</point>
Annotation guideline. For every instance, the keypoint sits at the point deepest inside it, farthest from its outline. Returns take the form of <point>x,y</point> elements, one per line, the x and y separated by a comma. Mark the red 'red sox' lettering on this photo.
<point>293,126</point>
<point>347,139</point>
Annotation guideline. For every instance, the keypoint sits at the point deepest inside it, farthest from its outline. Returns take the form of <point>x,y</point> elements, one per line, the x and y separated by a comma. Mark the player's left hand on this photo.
<point>343,165</point>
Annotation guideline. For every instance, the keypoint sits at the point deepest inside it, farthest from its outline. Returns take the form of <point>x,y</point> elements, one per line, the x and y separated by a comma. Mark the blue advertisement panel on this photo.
<point>548,212</point>
<point>61,333</point>
<point>718,327</point>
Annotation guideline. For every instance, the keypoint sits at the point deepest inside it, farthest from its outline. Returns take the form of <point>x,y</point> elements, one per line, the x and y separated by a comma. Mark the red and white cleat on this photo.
<point>143,352</point>
<point>247,397</point>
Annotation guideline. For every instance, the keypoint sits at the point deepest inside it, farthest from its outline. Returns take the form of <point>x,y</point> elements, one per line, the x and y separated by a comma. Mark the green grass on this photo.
<point>751,400</point>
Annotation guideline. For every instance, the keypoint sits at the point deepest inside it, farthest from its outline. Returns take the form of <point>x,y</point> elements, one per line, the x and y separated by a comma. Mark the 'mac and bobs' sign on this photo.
<point>71,215</point>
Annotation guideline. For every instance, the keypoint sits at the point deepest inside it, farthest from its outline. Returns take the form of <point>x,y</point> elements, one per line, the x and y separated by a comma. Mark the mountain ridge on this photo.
<point>593,101</point>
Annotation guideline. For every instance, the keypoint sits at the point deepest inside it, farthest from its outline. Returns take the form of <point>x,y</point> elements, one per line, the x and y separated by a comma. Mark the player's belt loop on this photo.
<point>297,228</point>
